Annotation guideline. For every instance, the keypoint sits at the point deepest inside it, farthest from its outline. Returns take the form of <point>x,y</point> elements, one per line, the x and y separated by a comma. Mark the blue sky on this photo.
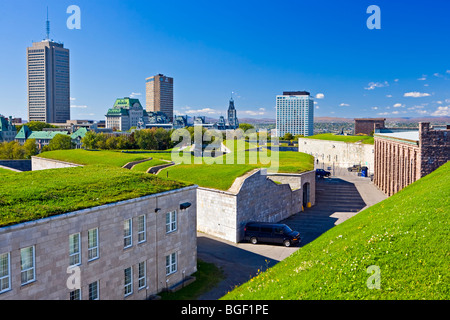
<point>256,49</point>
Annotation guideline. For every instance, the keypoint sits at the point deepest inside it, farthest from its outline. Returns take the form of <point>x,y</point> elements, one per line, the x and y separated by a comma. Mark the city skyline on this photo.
<point>351,71</point>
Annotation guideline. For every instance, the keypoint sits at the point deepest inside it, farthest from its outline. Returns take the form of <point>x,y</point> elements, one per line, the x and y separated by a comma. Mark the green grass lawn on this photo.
<point>144,166</point>
<point>406,236</point>
<point>85,157</point>
<point>6,171</point>
<point>220,175</point>
<point>351,139</point>
<point>38,194</point>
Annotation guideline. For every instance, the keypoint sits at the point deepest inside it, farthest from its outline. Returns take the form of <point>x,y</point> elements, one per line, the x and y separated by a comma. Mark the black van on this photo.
<point>270,232</point>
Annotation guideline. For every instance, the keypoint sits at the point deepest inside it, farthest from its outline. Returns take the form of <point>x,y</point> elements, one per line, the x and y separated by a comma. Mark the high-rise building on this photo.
<point>295,113</point>
<point>233,121</point>
<point>48,78</point>
<point>159,95</point>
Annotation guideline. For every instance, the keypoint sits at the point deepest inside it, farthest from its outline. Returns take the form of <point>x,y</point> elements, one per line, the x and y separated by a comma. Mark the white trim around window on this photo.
<point>127,233</point>
<point>171,263</point>
<point>128,281</point>
<point>27,265</point>
<point>75,249</point>
<point>171,221</point>
<point>5,272</point>
<point>142,275</point>
<point>142,228</point>
<point>93,244</point>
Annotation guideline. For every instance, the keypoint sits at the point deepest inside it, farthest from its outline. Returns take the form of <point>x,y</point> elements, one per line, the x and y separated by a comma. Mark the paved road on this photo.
<point>337,199</point>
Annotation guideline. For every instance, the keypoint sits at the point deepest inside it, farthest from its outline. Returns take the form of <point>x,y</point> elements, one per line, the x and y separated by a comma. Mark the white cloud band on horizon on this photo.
<point>416,94</point>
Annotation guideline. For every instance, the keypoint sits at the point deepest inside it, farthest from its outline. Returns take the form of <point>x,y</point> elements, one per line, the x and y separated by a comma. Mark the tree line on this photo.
<point>146,139</point>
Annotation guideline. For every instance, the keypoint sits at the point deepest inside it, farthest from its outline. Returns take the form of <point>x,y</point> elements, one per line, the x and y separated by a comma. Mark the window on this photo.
<point>93,244</point>
<point>74,249</point>
<point>141,229</point>
<point>75,294</point>
<point>5,277</point>
<point>128,281</point>
<point>171,221</point>
<point>171,264</point>
<point>27,272</point>
<point>142,275</point>
<point>93,291</point>
<point>127,233</point>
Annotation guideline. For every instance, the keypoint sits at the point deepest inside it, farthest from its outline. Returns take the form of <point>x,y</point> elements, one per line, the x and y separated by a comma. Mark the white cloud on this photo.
<point>389,96</point>
<point>395,112</point>
<point>135,94</point>
<point>79,107</point>
<point>426,85</point>
<point>416,94</point>
<point>448,71</point>
<point>442,112</point>
<point>374,108</point>
<point>396,80</point>
<point>320,96</point>
<point>373,85</point>
<point>344,105</point>
<point>260,112</point>
<point>422,79</point>
<point>383,113</point>
<point>203,111</point>
<point>73,99</point>
<point>438,75</point>
<point>399,105</point>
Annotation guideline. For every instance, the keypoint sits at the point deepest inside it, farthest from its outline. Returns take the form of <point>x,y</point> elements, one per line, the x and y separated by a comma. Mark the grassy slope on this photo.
<point>37,194</point>
<point>6,171</point>
<point>405,235</point>
<point>333,137</point>
<point>95,157</point>
<point>221,176</point>
<point>218,176</point>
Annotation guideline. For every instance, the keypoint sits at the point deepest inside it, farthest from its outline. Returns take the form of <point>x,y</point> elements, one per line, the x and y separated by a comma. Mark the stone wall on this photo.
<point>337,153</point>
<point>253,197</point>
<point>38,163</point>
<point>434,148</point>
<point>50,238</point>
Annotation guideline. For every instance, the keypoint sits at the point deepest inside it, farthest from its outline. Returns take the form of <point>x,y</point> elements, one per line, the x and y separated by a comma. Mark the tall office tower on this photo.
<point>159,95</point>
<point>48,81</point>
<point>295,113</point>
<point>233,121</point>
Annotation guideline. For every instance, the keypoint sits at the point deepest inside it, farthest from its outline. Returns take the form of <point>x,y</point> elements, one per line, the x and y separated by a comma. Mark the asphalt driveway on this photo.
<point>337,199</point>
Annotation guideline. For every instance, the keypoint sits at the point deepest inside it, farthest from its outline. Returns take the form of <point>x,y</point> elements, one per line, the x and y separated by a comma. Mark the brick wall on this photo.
<point>399,163</point>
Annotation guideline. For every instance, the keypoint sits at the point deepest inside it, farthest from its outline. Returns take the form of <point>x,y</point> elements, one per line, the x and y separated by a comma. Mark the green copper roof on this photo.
<point>23,133</point>
<point>126,103</point>
<point>45,135</point>
<point>79,133</point>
